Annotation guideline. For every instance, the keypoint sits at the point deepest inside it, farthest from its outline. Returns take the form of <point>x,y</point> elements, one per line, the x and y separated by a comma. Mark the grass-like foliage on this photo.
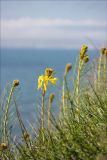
<point>78,132</point>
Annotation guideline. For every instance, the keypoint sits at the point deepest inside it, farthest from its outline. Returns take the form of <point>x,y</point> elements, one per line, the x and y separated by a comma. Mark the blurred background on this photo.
<point>39,34</point>
<point>53,24</point>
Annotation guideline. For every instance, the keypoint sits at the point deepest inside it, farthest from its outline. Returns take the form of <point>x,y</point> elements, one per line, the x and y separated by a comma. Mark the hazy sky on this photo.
<point>53,24</point>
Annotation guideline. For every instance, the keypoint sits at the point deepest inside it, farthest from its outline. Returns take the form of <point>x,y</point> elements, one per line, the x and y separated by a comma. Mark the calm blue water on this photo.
<point>27,64</point>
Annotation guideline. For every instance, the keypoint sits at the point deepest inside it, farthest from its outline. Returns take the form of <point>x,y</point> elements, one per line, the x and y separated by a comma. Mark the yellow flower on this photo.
<point>43,80</point>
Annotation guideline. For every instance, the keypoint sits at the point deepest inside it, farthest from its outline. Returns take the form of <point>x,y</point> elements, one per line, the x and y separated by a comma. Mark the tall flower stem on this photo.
<point>43,109</point>
<point>49,114</point>
<point>99,70</point>
<point>63,96</point>
<point>5,122</point>
<point>82,59</point>
<point>43,113</point>
<point>68,67</point>
<point>65,93</point>
<point>105,69</point>
<point>95,81</point>
<point>50,101</point>
<point>7,110</point>
<point>78,81</point>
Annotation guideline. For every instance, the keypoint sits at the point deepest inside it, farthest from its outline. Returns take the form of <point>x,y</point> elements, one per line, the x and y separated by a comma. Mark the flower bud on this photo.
<point>86,59</point>
<point>15,83</point>
<point>68,68</point>
<point>106,53</point>
<point>84,48</point>
<point>51,97</point>
<point>103,50</point>
<point>83,51</point>
<point>26,136</point>
<point>49,72</point>
<point>3,146</point>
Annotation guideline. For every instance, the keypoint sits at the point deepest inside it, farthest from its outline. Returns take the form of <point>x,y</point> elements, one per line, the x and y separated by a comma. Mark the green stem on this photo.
<point>78,81</point>
<point>63,96</point>
<point>49,115</point>
<point>7,110</point>
<point>99,70</point>
<point>95,81</point>
<point>105,69</point>
<point>66,88</point>
<point>43,110</point>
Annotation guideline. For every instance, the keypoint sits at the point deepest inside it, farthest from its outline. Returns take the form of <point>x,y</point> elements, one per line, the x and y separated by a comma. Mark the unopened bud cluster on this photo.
<point>83,54</point>
<point>104,51</point>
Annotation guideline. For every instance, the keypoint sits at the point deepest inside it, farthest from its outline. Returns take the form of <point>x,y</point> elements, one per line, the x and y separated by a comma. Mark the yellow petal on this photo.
<point>53,80</point>
<point>40,81</point>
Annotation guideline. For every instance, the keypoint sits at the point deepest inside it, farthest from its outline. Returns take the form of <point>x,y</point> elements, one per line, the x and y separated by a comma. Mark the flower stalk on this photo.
<point>105,66</point>
<point>103,57</point>
<point>51,98</point>
<point>43,109</point>
<point>43,82</point>
<point>82,60</point>
<point>99,68</point>
<point>14,85</point>
<point>68,67</point>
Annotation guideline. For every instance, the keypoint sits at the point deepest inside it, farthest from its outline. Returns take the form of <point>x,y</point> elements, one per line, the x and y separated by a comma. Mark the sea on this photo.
<point>26,65</point>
